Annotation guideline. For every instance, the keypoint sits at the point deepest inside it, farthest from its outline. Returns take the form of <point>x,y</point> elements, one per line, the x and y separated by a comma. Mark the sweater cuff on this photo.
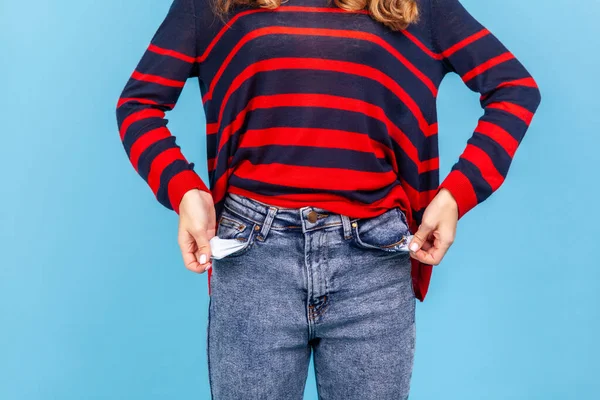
<point>181,183</point>
<point>462,190</point>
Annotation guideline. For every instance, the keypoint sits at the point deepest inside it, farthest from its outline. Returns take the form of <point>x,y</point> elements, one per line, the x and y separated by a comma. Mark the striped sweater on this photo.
<point>309,104</point>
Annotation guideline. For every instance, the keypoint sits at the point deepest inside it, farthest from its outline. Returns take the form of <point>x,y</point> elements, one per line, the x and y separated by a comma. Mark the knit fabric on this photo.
<point>308,104</point>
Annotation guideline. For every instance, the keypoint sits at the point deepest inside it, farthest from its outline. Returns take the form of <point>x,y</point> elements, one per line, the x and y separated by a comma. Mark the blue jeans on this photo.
<point>306,279</point>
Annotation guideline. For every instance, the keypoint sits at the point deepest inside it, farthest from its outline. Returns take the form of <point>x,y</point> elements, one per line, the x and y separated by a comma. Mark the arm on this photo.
<point>509,98</point>
<point>153,89</point>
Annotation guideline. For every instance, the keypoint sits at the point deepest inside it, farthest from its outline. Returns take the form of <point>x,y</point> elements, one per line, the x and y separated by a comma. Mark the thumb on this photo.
<point>420,237</point>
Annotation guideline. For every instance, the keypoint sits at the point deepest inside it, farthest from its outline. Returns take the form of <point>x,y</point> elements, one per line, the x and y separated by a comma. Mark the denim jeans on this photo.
<point>308,280</point>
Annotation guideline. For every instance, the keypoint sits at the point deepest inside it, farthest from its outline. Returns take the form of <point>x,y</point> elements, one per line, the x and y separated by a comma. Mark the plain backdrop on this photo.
<point>95,302</point>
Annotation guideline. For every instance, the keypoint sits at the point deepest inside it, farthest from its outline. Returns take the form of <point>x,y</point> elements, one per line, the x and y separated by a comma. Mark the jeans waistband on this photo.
<point>268,216</point>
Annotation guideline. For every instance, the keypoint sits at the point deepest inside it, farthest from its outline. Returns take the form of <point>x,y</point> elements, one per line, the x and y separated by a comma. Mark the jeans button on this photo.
<point>312,216</point>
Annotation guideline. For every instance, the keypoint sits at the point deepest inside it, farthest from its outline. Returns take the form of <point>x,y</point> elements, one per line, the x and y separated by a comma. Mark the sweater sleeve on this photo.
<point>153,89</point>
<point>509,97</point>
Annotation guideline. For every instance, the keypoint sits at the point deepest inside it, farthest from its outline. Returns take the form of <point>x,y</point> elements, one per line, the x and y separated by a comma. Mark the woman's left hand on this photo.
<point>437,230</point>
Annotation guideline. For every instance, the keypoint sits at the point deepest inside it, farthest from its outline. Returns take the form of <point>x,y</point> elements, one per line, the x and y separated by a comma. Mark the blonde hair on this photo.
<point>395,14</point>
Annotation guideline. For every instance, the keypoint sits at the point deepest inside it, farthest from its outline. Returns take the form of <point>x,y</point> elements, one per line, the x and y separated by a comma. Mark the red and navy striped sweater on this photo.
<point>309,104</point>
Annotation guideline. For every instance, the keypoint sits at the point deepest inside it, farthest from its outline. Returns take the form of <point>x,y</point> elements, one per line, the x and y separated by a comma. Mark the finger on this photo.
<point>203,252</point>
<point>423,256</point>
<point>420,236</point>
<point>432,257</point>
<point>191,263</point>
<point>188,252</point>
<point>427,245</point>
<point>441,244</point>
<point>434,254</point>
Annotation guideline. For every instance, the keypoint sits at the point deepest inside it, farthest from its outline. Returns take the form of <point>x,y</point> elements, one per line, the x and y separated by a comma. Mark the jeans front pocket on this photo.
<point>388,231</point>
<point>237,229</point>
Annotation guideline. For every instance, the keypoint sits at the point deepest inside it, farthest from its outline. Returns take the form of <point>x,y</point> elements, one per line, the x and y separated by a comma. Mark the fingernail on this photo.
<point>202,258</point>
<point>208,267</point>
<point>414,246</point>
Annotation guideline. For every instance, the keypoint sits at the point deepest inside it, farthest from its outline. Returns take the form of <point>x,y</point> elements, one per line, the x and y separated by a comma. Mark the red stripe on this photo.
<point>514,109</point>
<point>157,79</point>
<point>305,9</point>
<point>528,82</point>
<point>462,190</point>
<point>180,184</point>
<point>285,30</point>
<point>420,45</point>
<point>337,204</point>
<point>499,135</point>
<point>524,82</point>
<point>212,128</point>
<point>232,21</point>
<point>145,141</point>
<point>171,53</point>
<point>410,36</point>
<point>211,163</point>
<point>465,42</point>
<point>418,200</point>
<point>329,101</point>
<point>160,162</point>
<point>485,164</point>
<point>138,116</point>
<point>143,101</point>
<point>208,277</point>
<point>316,137</point>
<point>487,65</point>
<point>398,193</point>
<point>314,177</point>
<point>221,184</point>
<point>330,65</point>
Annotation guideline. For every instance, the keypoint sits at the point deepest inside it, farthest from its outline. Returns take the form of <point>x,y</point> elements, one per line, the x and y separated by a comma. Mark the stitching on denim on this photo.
<point>231,223</point>
<point>240,215</point>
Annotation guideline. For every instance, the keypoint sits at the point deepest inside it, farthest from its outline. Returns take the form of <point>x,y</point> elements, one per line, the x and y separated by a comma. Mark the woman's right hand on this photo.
<point>197,226</point>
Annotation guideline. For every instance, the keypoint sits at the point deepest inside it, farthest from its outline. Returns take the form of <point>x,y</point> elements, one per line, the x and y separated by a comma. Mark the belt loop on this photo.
<point>266,225</point>
<point>347,227</point>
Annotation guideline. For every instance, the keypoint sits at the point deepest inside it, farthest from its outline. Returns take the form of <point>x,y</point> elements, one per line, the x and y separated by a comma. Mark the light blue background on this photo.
<point>95,302</point>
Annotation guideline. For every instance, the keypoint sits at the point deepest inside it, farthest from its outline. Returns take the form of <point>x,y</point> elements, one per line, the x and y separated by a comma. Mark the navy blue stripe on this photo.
<point>482,189</point>
<point>139,128</point>
<point>324,82</point>
<point>337,48</point>
<point>168,173</point>
<point>512,124</point>
<point>524,96</point>
<point>166,66</point>
<point>492,77</point>
<point>148,155</point>
<point>161,94</point>
<point>312,157</point>
<point>500,158</point>
<point>267,189</point>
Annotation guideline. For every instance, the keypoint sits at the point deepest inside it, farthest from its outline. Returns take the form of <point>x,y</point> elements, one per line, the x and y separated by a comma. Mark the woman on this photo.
<point>323,164</point>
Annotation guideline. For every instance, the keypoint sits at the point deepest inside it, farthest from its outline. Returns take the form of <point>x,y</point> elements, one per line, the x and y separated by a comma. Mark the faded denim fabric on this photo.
<point>302,280</point>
